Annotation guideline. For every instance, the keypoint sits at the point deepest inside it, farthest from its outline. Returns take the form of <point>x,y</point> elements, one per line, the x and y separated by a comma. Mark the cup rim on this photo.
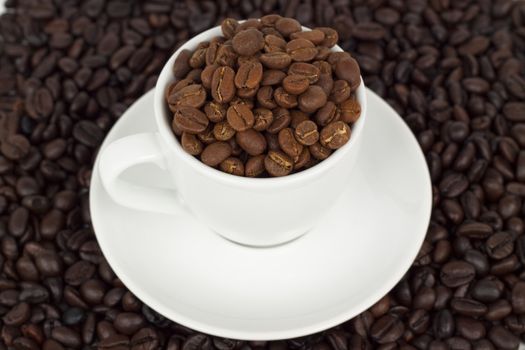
<point>304,176</point>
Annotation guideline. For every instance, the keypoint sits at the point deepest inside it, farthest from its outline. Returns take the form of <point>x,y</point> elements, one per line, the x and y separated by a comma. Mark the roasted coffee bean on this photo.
<point>340,91</point>
<point>263,119</point>
<point>248,42</point>
<point>222,84</point>
<point>518,298</point>
<point>191,144</point>
<point>240,117</point>
<point>216,153</point>
<point>191,120</point>
<point>306,133</point>
<point>222,131</point>
<point>499,245</point>
<point>275,60</point>
<point>281,120</point>
<point>287,26</point>
<point>350,110</point>
<point>468,307</point>
<point>272,77</point>
<point>502,338</point>
<point>249,75</point>
<point>251,141</point>
<point>312,99</point>
<point>387,329</point>
<point>348,69</point>
<point>335,135</point>
<point>232,166</point>
<point>284,99</point>
<point>327,114</point>
<point>255,166</point>
<point>181,67</point>
<point>320,152</point>
<point>295,84</point>
<point>306,70</point>
<point>215,112</point>
<point>278,163</point>
<point>457,273</point>
<point>301,50</point>
<point>289,144</point>
<point>193,95</point>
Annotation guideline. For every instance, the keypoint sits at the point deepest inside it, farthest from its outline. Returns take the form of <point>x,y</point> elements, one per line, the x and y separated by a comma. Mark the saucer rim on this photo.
<point>315,327</point>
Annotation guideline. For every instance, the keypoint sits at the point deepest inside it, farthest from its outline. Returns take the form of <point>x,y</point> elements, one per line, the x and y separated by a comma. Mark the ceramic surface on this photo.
<point>355,255</point>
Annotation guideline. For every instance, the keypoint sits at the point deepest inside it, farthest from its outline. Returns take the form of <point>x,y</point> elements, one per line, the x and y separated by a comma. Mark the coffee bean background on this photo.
<point>453,69</point>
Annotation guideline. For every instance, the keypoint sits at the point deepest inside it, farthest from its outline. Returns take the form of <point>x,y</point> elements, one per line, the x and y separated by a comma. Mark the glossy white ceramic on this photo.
<point>356,253</point>
<point>256,212</point>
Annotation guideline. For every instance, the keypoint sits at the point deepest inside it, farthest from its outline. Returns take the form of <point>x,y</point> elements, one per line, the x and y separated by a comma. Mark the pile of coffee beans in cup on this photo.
<point>454,70</point>
<point>264,99</point>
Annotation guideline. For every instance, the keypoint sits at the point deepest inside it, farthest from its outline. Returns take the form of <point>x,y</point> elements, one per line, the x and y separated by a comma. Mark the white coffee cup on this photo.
<point>249,211</point>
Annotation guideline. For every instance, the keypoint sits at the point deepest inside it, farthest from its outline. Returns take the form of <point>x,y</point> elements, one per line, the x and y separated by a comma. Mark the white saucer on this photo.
<point>359,251</point>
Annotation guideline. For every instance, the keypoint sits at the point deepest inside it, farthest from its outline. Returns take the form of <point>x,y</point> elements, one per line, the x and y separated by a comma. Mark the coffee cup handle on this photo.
<point>126,152</point>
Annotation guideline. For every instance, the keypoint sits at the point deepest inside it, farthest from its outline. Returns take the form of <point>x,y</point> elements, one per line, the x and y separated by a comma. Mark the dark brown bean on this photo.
<point>278,163</point>
<point>215,153</point>
<point>240,117</point>
<point>190,119</point>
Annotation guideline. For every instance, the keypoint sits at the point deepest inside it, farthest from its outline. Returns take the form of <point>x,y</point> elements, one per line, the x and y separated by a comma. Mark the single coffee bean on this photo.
<point>287,26</point>
<point>272,77</point>
<point>327,114</point>
<point>468,307</point>
<point>222,84</point>
<point>215,112</point>
<point>191,144</point>
<point>295,84</point>
<point>255,166</point>
<point>315,36</point>
<point>335,135</point>
<point>215,153</point>
<point>281,120</point>
<point>486,290</point>
<point>284,99</point>
<point>190,119</point>
<point>193,95</point>
<point>518,297</point>
<point>320,152</point>
<point>232,166</point>
<point>301,50</point>
<point>275,60</point>
<point>181,67</point>
<point>263,119</point>
<point>348,69</point>
<point>278,163</point>
<point>500,245</point>
<point>502,338</point>
<point>387,329</point>
<point>312,99</point>
<point>251,141</point>
<point>240,117</point>
<point>265,97</point>
<point>274,43</point>
<point>340,91</point>
<point>223,131</point>
<point>249,75</point>
<point>289,144</point>
<point>331,36</point>
<point>456,273</point>
<point>306,70</point>
<point>248,42</point>
<point>498,310</point>
<point>350,110</point>
<point>306,133</point>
